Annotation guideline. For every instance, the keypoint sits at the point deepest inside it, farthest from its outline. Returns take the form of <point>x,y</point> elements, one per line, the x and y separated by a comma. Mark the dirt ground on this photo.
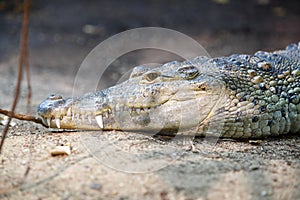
<point>62,33</point>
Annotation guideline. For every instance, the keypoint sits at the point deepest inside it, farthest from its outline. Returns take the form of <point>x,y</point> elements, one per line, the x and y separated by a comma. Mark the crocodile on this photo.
<point>238,96</point>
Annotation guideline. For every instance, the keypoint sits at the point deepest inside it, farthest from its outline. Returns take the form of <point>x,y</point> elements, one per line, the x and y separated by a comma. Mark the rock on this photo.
<point>61,150</point>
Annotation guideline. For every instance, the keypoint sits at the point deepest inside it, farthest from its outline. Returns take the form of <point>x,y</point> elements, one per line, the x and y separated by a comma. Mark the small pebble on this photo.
<point>4,120</point>
<point>61,150</point>
<point>264,193</point>
<point>96,186</point>
<point>255,142</point>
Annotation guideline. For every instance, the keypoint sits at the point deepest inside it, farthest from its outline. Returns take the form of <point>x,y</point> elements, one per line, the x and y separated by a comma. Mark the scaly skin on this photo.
<point>241,96</point>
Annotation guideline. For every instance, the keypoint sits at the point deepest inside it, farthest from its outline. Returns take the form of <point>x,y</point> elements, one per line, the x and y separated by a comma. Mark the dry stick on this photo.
<point>20,70</point>
<point>22,117</point>
<point>27,72</point>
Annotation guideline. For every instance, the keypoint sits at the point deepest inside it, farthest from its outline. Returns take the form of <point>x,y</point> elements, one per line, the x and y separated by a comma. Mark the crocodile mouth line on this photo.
<point>101,116</point>
<point>95,117</point>
<point>68,117</point>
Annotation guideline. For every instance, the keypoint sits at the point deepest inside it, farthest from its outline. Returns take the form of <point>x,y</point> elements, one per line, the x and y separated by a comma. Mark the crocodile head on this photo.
<point>177,95</point>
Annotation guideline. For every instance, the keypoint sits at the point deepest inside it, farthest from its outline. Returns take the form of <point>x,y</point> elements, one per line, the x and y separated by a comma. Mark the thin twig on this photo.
<point>27,72</point>
<point>20,70</point>
<point>22,117</point>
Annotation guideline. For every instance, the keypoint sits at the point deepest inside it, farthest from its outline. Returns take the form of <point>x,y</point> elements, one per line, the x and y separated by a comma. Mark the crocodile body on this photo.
<point>240,96</point>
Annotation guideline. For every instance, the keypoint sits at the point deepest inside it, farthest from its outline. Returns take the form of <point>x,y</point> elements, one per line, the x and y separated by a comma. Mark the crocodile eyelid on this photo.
<point>138,71</point>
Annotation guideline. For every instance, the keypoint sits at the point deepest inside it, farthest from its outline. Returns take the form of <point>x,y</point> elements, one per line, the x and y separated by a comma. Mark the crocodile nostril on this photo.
<point>55,97</point>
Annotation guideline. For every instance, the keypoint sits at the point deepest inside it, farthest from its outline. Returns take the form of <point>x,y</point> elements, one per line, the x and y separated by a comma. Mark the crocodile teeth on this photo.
<point>57,122</point>
<point>69,112</point>
<point>138,110</point>
<point>49,122</point>
<point>130,110</point>
<point>99,120</point>
<point>90,119</point>
<point>106,114</point>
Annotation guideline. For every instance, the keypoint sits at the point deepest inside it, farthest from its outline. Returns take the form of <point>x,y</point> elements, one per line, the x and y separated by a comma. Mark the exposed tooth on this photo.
<point>138,110</point>
<point>99,120</point>
<point>69,113</point>
<point>109,111</point>
<point>49,122</point>
<point>130,110</point>
<point>90,119</point>
<point>106,114</point>
<point>57,122</point>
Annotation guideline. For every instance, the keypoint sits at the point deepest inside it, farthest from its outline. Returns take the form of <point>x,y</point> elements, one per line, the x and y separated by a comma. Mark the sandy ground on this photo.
<point>97,167</point>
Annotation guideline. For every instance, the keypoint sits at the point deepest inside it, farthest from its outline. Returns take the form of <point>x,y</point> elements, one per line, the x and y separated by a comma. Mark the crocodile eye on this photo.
<point>150,77</point>
<point>188,72</point>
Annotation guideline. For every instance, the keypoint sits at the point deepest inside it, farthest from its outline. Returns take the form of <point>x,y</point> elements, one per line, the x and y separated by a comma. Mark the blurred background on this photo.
<point>63,32</point>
